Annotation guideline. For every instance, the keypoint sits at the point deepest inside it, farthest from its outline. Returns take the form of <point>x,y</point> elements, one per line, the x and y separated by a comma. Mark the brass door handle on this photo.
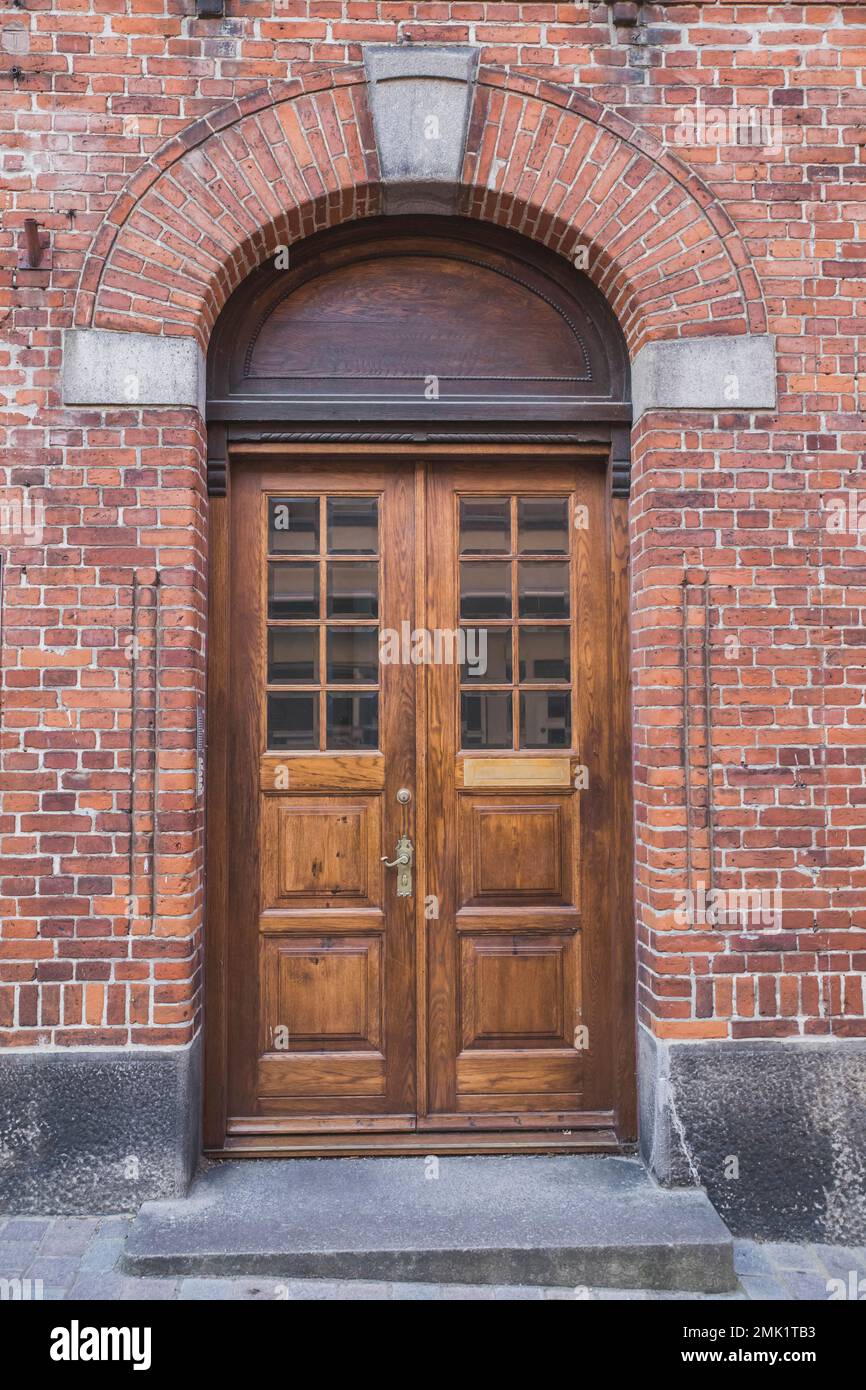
<point>405,854</point>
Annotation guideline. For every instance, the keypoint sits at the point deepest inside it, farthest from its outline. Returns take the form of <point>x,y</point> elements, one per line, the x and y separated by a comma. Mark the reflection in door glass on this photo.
<point>293,591</point>
<point>486,655</point>
<point>543,589</point>
<point>485,718</point>
<point>293,525</point>
<point>542,524</point>
<point>353,654</point>
<point>544,654</point>
<point>485,526</point>
<point>293,721</point>
<point>353,721</point>
<point>293,655</point>
<point>353,525</point>
<point>353,590</point>
<point>485,589</point>
<point>545,719</point>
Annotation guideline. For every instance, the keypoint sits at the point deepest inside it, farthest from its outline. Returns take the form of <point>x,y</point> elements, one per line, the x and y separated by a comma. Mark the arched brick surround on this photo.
<point>301,156</point>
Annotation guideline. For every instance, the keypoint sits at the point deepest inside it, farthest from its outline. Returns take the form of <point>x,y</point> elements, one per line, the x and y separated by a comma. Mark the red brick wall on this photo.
<point>143,142</point>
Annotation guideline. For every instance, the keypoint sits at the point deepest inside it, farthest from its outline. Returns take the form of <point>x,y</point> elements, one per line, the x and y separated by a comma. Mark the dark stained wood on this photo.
<point>622,869</point>
<point>471,1141</point>
<point>217,827</point>
<point>320,951</point>
<point>397,319</point>
<point>532,935</point>
<point>445,1022</point>
<point>519,958</point>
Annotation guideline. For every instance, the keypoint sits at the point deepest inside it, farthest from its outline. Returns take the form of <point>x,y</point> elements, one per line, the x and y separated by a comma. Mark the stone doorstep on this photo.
<point>559,1220</point>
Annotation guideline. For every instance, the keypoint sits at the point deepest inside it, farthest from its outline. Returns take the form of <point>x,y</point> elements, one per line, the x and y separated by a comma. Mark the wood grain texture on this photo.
<point>519,932</point>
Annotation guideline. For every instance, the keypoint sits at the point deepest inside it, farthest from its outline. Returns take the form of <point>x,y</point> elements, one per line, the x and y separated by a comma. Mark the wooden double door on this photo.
<point>414,826</point>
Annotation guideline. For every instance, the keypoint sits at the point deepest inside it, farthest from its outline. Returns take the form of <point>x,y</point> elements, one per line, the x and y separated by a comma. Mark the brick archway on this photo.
<point>301,156</point>
<point>538,159</point>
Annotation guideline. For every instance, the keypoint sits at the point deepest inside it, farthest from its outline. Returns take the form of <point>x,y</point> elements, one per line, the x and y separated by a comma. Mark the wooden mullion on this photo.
<point>323,621</point>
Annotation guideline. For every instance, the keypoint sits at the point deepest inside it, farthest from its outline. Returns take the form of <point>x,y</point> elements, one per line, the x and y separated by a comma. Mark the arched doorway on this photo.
<point>418,654</point>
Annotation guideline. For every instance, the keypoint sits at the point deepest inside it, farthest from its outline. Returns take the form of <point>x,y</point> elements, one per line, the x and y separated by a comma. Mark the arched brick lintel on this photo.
<point>301,156</point>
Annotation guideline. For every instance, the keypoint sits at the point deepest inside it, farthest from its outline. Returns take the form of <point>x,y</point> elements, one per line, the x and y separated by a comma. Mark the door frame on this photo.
<point>603,1131</point>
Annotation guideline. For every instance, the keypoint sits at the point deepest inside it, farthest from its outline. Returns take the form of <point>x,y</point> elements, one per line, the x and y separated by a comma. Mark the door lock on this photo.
<point>405,855</point>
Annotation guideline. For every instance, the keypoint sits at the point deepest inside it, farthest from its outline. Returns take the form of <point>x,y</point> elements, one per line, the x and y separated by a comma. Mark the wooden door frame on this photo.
<point>623,945</point>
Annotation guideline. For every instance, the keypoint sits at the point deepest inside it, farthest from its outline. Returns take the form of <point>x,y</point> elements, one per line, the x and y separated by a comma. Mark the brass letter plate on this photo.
<point>517,772</point>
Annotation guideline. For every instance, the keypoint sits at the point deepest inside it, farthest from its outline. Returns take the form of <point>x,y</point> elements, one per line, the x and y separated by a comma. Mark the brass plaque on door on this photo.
<point>517,772</point>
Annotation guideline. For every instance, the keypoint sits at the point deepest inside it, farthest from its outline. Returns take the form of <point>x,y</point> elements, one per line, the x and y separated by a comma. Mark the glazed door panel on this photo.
<point>322,737</point>
<point>519,796</point>
<point>443,629</point>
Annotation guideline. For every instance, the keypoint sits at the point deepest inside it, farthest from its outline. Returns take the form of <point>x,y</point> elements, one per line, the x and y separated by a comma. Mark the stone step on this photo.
<point>561,1220</point>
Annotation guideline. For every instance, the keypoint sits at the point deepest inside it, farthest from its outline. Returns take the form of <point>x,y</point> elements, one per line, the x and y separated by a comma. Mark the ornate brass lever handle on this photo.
<point>405,854</point>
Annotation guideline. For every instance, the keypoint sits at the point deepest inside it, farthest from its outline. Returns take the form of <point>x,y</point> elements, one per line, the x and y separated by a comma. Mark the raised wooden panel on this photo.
<point>515,850</point>
<point>518,991</point>
<point>321,993</point>
<point>318,1077</point>
<point>543,1073</point>
<point>326,772</point>
<point>319,851</point>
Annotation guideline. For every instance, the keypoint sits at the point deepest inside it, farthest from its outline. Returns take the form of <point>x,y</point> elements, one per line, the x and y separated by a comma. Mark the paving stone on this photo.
<point>69,1235</point>
<point>806,1285</point>
<point>102,1255</point>
<point>837,1260</point>
<point>782,1255</point>
<point>30,1228</point>
<point>54,1269</point>
<point>114,1226</point>
<point>16,1257</point>
<point>764,1286</point>
<point>148,1289</point>
<point>211,1289</point>
<point>357,1290</point>
<point>311,1290</point>
<point>750,1258</point>
<point>623,1295</point>
<point>415,1293</point>
<point>464,1292</point>
<point>104,1286</point>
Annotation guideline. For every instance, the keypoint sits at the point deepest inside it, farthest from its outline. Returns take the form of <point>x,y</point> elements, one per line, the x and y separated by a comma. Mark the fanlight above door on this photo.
<point>386,320</point>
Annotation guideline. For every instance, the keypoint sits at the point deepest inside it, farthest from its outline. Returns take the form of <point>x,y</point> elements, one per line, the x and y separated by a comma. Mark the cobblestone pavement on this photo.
<point>78,1257</point>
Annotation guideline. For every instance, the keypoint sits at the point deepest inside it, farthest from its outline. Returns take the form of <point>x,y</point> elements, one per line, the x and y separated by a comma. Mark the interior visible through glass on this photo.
<point>322,623</point>
<point>515,606</point>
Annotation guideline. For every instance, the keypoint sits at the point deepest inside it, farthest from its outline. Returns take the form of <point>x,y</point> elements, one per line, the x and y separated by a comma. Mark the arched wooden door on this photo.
<point>418,832</point>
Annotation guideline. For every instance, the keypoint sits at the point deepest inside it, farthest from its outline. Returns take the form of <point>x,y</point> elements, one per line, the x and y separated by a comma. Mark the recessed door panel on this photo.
<point>518,953</point>
<point>321,1013</point>
<point>419,929</point>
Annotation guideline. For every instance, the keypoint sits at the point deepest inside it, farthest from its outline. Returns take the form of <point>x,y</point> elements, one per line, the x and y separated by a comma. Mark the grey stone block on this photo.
<point>418,1293</point>
<point>559,1221</point>
<point>28,1228</point>
<point>420,99</point>
<point>724,373</point>
<point>790,1113</point>
<point>104,368</point>
<point>102,1288</point>
<point>95,1130</point>
<point>764,1287</point>
<point>69,1236</point>
<point>16,1257</point>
